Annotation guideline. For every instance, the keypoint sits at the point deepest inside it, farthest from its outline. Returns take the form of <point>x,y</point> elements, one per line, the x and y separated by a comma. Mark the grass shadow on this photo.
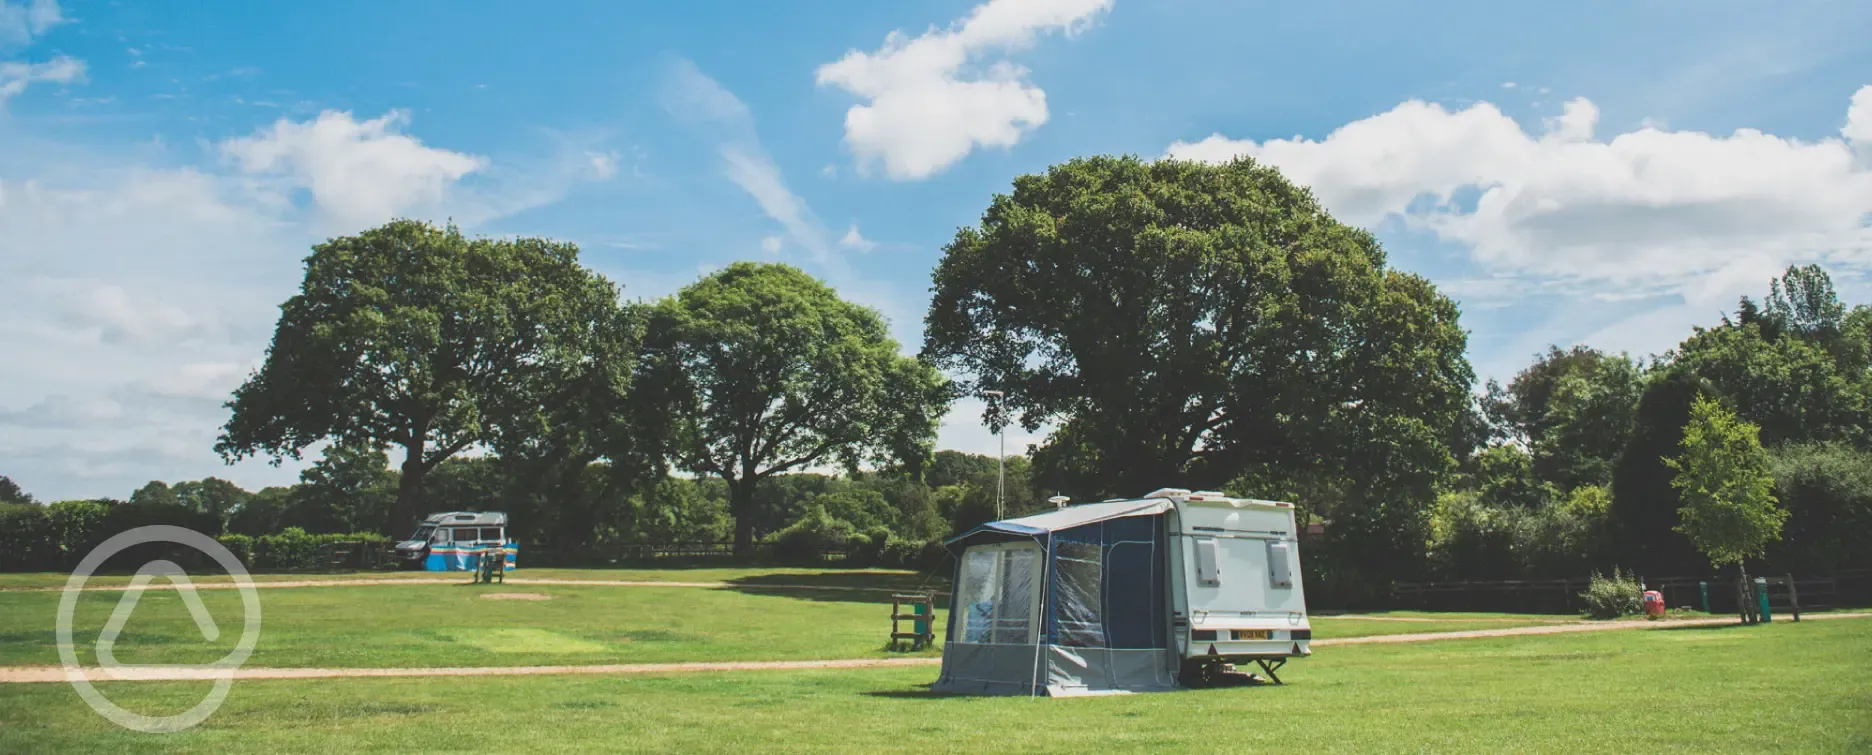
<point>840,587</point>
<point>1701,627</point>
<point>920,693</point>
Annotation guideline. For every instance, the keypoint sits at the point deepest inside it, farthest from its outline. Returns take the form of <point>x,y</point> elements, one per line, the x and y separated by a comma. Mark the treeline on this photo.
<point>878,519</point>
<point>1176,324</point>
<point>1578,475</point>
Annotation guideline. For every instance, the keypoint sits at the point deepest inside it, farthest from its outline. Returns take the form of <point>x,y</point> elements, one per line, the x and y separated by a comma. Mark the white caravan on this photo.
<point>1170,589</point>
<point>1236,589</point>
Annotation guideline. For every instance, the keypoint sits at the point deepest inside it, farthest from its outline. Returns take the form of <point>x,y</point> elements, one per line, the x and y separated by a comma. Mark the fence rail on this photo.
<point>1561,596</point>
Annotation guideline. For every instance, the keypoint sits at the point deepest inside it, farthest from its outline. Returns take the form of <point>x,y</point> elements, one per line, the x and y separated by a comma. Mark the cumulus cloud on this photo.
<point>15,76</point>
<point>134,299</point>
<point>1858,129</point>
<point>1642,207</point>
<point>856,242</point>
<point>931,100</point>
<point>20,22</point>
<point>358,172</point>
<point>771,244</point>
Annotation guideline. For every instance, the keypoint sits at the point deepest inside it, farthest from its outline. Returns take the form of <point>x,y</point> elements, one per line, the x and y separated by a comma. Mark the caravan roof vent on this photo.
<point>1167,493</point>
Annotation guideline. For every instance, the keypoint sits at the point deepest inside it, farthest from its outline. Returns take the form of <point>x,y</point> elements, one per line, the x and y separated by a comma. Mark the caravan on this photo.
<point>1171,589</point>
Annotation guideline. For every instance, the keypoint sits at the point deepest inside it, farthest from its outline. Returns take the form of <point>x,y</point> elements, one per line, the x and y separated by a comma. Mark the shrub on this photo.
<point>868,548</point>
<point>291,548</point>
<point>26,543</point>
<point>240,545</point>
<point>806,540</point>
<point>1612,597</point>
<point>902,553</point>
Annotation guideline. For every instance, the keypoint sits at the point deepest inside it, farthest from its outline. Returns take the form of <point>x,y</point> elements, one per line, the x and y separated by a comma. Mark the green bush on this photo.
<point>26,542</point>
<point>868,548</point>
<point>239,545</point>
<point>1612,597</point>
<point>805,541</point>
<point>902,553</point>
<point>291,548</point>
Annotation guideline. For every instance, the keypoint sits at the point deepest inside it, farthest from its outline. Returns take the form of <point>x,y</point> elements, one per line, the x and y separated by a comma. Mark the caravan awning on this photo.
<point>1067,518</point>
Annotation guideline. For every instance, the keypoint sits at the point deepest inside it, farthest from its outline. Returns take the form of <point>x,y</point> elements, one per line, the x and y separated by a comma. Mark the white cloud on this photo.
<point>1858,128</point>
<point>135,296</point>
<point>213,381</point>
<point>691,95</point>
<point>15,77</point>
<point>359,173</point>
<point>1508,85</point>
<point>933,99</point>
<point>854,241</point>
<point>770,244</point>
<point>20,22</point>
<point>603,164</point>
<point>113,316</point>
<point>1640,208</point>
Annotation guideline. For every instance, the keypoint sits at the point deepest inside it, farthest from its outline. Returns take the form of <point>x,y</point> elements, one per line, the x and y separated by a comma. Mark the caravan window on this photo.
<point>466,534</point>
<point>491,534</point>
<point>999,598</point>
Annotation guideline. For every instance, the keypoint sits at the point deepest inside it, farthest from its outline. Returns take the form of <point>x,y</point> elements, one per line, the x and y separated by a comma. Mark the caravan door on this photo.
<point>1000,595</point>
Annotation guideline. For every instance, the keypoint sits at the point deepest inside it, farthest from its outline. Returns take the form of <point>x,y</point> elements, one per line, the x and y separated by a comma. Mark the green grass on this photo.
<point>451,625</point>
<point>1780,687</point>
<point>893,579</point>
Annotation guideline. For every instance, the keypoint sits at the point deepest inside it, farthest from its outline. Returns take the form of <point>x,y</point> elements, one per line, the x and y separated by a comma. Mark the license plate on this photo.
<point>1253,634</point>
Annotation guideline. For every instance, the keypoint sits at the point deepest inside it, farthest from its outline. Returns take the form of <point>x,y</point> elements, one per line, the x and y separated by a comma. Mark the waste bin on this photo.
<point>1653,603</point>
<point>1761,596</point>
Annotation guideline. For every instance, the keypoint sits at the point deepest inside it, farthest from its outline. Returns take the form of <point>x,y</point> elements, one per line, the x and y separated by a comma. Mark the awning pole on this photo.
<point>1040,631</point>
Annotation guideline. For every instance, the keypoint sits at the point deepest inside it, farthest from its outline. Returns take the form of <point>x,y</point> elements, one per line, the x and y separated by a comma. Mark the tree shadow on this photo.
<point>1703,627</point>
<point>916,693</point>
<point>841,587</point>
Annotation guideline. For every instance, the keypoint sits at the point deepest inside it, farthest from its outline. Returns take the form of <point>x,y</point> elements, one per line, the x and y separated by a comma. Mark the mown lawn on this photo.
<point>765,615</point>
<point>1781,687</point>
<point>894,579</point>
<point>455,625</point>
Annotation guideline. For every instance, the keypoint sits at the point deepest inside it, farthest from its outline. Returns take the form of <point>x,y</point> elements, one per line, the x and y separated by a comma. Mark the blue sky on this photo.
<point>1604,172</point>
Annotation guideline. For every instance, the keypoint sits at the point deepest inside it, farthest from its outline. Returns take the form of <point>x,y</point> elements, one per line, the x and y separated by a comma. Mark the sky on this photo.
<point>1600,173</point>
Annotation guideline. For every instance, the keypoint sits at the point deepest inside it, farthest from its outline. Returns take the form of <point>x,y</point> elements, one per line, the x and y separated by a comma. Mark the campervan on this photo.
<point>455,540</point>
<point>1168,590</point>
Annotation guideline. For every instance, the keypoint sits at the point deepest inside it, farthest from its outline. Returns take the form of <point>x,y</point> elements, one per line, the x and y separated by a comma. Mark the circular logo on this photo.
<point>221,671</point>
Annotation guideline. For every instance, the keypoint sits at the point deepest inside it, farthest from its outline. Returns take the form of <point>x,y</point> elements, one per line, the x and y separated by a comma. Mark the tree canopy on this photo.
<point>1180,322</point>
<point>417,337</point>
<point>1726,485</point>
<point>760,369</point>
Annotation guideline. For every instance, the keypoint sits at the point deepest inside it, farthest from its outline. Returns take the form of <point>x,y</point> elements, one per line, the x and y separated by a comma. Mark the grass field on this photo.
<point>372,626</point>
<point>880,579</point>
<point>1781,687</point>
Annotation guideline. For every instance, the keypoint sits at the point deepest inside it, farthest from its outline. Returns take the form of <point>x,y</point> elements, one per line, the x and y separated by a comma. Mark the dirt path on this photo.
<point>42,674</point>
<point>1583,626</point>
<point>1452,620</point>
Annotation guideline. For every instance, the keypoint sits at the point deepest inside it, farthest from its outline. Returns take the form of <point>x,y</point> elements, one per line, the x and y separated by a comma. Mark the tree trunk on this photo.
<point>741,505</point>
<point>403,515</point>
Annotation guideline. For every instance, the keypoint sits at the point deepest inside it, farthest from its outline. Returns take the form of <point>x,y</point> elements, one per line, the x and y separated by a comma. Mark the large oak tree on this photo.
<point>1186,324</point>
<point>760,369</point>
<point>418,337</point>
